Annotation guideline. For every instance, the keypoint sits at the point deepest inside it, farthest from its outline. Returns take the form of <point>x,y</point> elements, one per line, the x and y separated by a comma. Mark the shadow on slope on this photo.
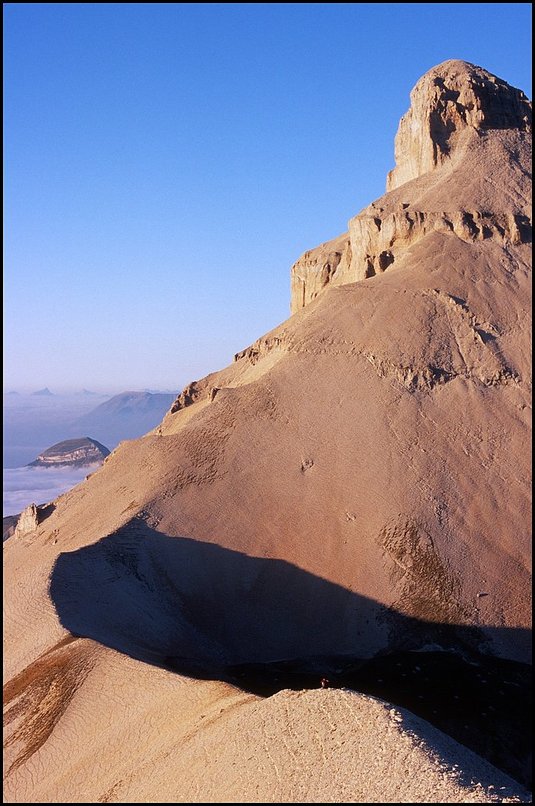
<point>264,625</point>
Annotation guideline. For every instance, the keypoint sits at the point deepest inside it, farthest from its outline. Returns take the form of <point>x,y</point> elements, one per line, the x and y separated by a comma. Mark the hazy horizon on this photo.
<point>34,422</point>
<point>158,167</point>
<point>73,391</point>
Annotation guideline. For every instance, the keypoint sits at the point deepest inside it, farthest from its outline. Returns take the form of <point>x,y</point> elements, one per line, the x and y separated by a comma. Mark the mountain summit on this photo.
<point>348,501</point>
<point>462,165</point>
<point>449,104</point>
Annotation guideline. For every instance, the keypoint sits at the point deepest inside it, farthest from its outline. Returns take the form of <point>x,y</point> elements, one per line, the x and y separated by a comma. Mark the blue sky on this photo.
<point>165,165</point>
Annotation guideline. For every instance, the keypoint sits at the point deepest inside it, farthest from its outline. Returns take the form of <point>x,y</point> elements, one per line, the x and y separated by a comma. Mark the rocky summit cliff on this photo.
<point>465,132</point>
<point>349,500</point>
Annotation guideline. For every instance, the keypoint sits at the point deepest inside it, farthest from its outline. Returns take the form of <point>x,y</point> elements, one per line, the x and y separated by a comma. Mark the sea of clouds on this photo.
<point>38,485</point>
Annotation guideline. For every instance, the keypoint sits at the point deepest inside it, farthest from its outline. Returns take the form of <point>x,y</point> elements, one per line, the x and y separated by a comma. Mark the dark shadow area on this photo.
<point>524,228</point>
<point>265,625</point>
<point>481,701</point>
<point>9,523</point>
<point>44,511</point>
<point>385,260</point>
<point>485,336</point>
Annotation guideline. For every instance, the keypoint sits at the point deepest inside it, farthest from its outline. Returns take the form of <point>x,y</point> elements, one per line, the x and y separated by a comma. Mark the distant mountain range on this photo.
<point>46,391</point>
<point>125,416</point>
<point>31,423</point>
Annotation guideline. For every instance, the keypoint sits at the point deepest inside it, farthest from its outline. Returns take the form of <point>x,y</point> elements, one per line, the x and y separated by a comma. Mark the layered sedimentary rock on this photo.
<point>458,111</point>
<point>317,268</point>
<point>72,453</point>
<point>354,487</point>
<point>448,100</point>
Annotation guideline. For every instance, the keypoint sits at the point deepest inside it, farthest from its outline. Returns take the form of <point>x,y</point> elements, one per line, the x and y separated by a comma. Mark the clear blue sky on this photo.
<point>165,165</point>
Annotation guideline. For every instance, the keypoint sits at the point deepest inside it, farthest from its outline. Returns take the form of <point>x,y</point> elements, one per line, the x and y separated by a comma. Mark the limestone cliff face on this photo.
<point>456,111</point>
<point>377,236</point>
<point>317,268</point>
<point>355,485</point>
<point>446,101</point>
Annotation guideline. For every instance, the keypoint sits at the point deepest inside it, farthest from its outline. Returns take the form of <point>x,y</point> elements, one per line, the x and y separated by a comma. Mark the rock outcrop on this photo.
<point>448,100</point>
<point>28,521</point>
<point>317,268</point>
<point>72,453</point>
<point>457,108</point>
<point>350,498</point>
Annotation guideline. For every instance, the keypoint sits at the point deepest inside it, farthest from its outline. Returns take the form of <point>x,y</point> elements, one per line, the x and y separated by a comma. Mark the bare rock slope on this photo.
<point>355,484</point>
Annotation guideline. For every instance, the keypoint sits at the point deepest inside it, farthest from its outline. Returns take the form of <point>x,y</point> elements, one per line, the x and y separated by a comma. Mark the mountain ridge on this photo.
<point>425,191</point>
<point>356,482</point>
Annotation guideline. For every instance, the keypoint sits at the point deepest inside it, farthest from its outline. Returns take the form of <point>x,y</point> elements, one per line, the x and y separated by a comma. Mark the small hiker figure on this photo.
<point>325,683</point>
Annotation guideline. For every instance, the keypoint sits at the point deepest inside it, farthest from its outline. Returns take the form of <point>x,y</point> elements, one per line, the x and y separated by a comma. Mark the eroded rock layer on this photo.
<point>462,121</point>
<point>72,453</point>
<point>351,492</point>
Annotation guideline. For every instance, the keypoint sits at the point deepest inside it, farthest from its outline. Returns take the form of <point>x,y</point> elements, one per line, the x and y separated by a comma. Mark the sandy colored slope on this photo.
<point>357,481</point>
<point>340,520</point>
<point>353,456</point>
<point>173,739</point>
